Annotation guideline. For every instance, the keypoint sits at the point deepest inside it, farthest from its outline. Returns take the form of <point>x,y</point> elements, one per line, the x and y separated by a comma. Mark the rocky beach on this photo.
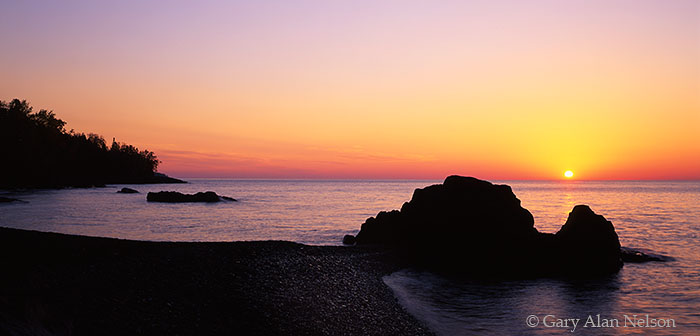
<point>56,284</point>
<point>470,229</point>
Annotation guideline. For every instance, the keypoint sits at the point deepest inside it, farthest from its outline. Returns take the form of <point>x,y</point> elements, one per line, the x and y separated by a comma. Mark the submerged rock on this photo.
<point>466,225</point>
<point>88,185</point>
<point>630,255</point>
<point>9,199</point>
<point>176,197</point>
<point>162,178</point>
<point>128,191</point>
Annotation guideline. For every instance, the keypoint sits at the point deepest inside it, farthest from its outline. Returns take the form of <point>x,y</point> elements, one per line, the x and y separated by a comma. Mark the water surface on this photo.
<point>660,216</point>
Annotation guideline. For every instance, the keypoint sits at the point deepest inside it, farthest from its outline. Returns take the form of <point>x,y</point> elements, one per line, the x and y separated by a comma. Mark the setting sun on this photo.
<point>242,139</point>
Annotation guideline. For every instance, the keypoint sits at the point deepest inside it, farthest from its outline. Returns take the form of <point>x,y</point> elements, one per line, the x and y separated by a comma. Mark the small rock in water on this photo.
<point>177,197</point>
<point>128,191</point>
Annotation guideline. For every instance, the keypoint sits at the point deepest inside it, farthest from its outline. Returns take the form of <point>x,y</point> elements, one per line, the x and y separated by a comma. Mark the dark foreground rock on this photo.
<point>474,227</point>
<point>56,284</point>
<point>128,191</point>
<point>176,197</point>
<point>587,242</point>
<point>349,240</point>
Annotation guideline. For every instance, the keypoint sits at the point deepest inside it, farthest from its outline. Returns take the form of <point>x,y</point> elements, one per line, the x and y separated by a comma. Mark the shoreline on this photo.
<point>68,284</point>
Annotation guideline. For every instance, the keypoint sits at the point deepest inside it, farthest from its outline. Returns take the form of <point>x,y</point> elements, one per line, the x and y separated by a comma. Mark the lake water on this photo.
<point>663,217</point>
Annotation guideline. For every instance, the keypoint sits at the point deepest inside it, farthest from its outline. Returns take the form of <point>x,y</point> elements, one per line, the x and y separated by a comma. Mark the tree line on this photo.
<point>38,152</point>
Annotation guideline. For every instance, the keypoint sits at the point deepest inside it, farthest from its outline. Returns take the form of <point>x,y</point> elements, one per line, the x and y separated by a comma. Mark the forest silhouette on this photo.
<point>38,152</point>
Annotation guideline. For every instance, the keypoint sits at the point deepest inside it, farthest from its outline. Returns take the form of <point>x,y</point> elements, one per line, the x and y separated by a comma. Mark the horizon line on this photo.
<point>422,179</point>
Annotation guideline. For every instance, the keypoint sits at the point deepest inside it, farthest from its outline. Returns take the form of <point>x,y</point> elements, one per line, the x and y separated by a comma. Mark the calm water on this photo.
<point>663,217</point>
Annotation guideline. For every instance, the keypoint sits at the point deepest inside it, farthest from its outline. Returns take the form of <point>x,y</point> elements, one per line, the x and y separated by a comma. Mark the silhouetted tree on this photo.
<point>37,151</point>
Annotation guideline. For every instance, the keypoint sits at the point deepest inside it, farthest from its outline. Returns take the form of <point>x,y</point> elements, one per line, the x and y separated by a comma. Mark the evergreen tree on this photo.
<point>37,151</point>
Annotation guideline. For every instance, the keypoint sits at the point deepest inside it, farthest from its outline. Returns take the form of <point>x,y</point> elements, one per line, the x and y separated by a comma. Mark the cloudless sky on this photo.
<point>371,89</point>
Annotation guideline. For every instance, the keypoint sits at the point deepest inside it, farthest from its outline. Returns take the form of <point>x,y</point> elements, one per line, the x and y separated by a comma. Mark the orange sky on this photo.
<point>372,89</point>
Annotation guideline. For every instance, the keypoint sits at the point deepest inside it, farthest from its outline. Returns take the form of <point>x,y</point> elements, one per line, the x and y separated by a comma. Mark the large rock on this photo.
<point>176,197</point>
<point>458,209</point>
<point>588,243</point>
<point>466,225</point>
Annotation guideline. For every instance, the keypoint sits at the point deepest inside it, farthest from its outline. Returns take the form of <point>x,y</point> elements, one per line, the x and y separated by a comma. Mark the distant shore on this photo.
<point>65,284</point>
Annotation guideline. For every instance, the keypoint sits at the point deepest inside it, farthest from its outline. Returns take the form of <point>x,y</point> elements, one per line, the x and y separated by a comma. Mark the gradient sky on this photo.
<point>371,89</point>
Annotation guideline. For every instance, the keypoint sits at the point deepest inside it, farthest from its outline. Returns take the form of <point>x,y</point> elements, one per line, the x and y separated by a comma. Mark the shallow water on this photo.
<point>660,216</point>
<point>310,212</point>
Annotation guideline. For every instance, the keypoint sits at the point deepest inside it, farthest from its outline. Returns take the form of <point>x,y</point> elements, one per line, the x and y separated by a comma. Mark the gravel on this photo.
<point>55,284</point>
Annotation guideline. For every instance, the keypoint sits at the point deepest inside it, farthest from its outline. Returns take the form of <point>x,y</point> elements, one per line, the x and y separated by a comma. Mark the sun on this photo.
<point>569,174</point>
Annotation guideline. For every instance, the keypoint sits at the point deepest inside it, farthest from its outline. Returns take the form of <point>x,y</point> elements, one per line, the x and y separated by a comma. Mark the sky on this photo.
<point>371,89</point>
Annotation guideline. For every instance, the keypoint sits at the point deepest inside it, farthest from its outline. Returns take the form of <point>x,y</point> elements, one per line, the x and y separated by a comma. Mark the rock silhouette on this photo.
<point>587,242</point>
<point>176,197</point>
<point>471,226</point>
<point>128,191</point>
<point>349,240</point>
